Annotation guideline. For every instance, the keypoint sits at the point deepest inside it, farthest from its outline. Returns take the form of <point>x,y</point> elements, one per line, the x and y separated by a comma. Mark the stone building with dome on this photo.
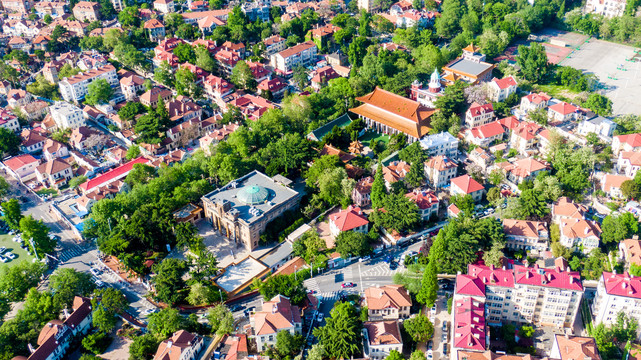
<point>242,209</point>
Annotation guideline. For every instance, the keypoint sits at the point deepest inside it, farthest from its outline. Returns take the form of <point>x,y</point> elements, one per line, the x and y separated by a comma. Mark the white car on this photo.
<point>151,311</point>
<point>10,255</point>
<point>2,249</point>
<point>4,259</point>
<point>430,354</point>
<point>94,272</point>
<point>319,317</point>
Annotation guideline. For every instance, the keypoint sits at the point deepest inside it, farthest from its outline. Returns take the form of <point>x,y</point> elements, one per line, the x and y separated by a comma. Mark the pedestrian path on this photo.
<point>381,270</point>
<point>311,284</point>
<point>332,295</point>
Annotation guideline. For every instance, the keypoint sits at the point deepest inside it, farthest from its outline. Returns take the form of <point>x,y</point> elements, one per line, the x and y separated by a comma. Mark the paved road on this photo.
<point>364,274</point>
<point>72,253</point>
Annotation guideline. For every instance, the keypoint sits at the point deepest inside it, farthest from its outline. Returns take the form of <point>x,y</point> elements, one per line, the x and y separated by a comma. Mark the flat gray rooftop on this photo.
<point>239,274</point>
<point>469,67</point>
<point>252,195</point>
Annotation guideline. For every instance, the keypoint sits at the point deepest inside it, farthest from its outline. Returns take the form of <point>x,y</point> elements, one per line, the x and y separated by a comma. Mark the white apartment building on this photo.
<point>274,44</point>
<point>478,115</point>
<point>526,235</point>
<point>74,88</point>
<point>8,120</point>
<point>440,144</point>
<point>628,163</point>
<point>67,116</point>
<point>580,234</point>
<point>616,293</point>
<point>500,89</point>
<point>439,170</point>
<point>382,337</point>
<point>542,296</point>
<point>288,59</point>
<point>607,8</point>
<point>368,5</point>
<point>599,125</point>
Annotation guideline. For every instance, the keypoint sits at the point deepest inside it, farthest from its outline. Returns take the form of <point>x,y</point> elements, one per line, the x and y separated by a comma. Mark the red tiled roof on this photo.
<point>297,49</point>
<point>19,161</point>
<point>423,199</point>
<point>488,130</point>
<point>563,108</point>
<point>622,284</point>
<point>467,184</point>
<point>349,219</point>
<point>469,324</point>
<point>477,109</point>
<point>469,285</point>
<point>113,174</point>
<point>555,278</point>
<point>505,83</point>
<point>633,140</point>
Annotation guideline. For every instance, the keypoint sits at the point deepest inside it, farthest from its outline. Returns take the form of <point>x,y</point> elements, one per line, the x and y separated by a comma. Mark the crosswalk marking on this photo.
<point>68,254</point>
<point>381,270</point>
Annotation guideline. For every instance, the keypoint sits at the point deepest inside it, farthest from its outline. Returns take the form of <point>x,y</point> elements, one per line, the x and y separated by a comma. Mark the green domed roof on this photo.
<point>253,194</point>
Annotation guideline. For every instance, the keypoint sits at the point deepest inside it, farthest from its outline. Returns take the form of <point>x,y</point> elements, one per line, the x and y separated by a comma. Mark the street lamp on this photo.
<point>295,273</point>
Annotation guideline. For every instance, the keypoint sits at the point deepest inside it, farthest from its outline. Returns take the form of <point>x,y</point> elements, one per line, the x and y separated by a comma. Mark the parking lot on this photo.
<point>441,319</point>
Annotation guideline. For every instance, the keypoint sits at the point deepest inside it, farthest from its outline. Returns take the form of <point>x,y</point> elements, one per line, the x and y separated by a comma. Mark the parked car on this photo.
<point>94,272</point>
<point>237,308</point>
<point>319,317</point>
<point>2,249</point>
<point>4,259</point>
<point>364,258</point>
<point>444,349</point>
<point>10,255</point>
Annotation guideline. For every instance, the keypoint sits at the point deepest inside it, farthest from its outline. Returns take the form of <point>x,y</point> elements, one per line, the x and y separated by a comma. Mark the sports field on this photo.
<point>620,78</point>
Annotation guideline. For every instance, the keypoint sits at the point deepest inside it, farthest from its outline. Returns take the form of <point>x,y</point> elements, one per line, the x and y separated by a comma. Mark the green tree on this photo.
<point>401,214</point>
<point>320,166</point>
<point>164,323</point>
<point>290,286</point>
<point>76,181</point>
<point>168,280</point>
<point>221,320</point>
<point>419,328</point>
<point>287,345</point>
<point>416,176</point>
<point>96,343</point>
<point>9,142</point>
<point>106,304</point>
<point>98,92</point>
<point>4,187</point>
<point>341,335</point>
<point>242,76</point>
<point>12,213</point>
<point>16,281</point>
<point>300,77</point>
<point>43,88</point>
<point>630,190</point>
<point>144,347</point>
<point>533,62</point>
<point>418,355</point>
<point>453,99</point>
<point>185,53</point>
<point>617,228</point>
<point>316,352</point>
<point>357,51</point>
<point>496,177</point>
<point>185,82</point>
<point>429,286</point>
<point>379,190</point>
<point>599,104</point>
<point>532,205</point>
<point>448,24</point>
<point>204,59</point>
<point>39,233</point>
<point>352,243</point>
<point>465,203</point>
<point>65,283</point>
<point>164,74</point>
<point>133,152</point>
<point>495,255</point>
<point>394,355</point>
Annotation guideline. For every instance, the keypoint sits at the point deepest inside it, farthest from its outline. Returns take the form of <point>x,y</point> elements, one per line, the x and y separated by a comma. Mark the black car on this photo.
<point>236,308</point>
<point>393,265</point>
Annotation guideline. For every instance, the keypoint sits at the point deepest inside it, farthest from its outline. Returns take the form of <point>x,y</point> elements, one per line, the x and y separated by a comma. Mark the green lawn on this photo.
<point>371,137</point>
<point>557,91</point>
<point>14,247</point>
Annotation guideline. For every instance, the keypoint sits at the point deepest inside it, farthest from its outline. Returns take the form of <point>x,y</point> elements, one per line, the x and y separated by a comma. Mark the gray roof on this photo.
<point>252,195</point>
<point>599,119</point>
<point>278,254</point>
<point>469,67</point>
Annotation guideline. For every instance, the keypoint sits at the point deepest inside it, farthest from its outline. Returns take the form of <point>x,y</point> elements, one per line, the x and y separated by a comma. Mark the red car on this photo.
<point>348,285</point>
